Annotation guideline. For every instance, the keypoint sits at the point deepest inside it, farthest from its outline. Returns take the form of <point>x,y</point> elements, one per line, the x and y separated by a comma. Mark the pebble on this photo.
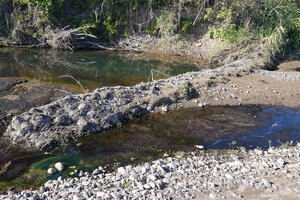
<point>121,170</point>
<point>201,147</point>
<point>202,105</point>
<point>164,108</point>
<point>258,151</point>
<point>59,166</point>
<point>52,171</point>
<point>228,176</point>
<point>152,177</point>
<point>96,172</point>
<point>179,177</point>
<point>280,162</point>
<point>266,183</point>
<point>212,196</point>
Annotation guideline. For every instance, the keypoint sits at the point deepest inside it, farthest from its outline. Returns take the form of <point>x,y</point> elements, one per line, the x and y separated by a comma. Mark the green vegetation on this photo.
<point>229,32</point>
<point>275,22</point>
<point>185,25</point>
<point>166,23</point>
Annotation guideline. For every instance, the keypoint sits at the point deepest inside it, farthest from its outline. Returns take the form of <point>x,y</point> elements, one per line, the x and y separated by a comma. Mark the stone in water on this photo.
<point>59,166</point>
<point>51,171</point>
<point>201,147</point>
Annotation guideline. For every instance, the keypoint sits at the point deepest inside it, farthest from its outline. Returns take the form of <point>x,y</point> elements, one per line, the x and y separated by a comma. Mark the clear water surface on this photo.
<point>93,69</point>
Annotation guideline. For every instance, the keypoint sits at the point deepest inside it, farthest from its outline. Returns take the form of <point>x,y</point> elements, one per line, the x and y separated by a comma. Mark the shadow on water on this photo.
<point>151,136</point>
<point>93,69</point>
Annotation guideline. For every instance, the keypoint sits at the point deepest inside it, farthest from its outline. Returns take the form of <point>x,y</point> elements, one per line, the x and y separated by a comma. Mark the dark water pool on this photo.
<point>150,137</point>
<point>93,69</point>
<point>282,126</point>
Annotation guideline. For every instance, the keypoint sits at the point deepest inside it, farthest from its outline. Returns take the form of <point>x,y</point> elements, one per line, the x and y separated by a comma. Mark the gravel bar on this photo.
<point>185,176</point>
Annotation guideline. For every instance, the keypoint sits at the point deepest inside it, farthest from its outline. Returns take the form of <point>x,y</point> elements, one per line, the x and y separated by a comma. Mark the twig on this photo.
<point>71,77</point>
<point>65,91</point>
<point>151,76</point>
<point>4,122</point>
<point>200,11</point>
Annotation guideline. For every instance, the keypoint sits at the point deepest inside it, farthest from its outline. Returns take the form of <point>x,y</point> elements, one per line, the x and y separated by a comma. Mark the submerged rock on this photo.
<point>201,147</point>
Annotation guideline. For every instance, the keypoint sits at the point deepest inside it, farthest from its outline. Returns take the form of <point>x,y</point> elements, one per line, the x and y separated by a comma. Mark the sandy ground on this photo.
<point>261,87</point>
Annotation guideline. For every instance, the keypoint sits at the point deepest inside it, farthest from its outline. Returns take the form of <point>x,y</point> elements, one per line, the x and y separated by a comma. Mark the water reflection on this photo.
<point>92,68</point>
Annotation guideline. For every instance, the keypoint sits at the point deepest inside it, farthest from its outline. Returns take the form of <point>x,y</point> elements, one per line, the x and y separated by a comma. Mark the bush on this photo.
<point>185,25</point>
<point>228,32</point>
<point>276,22</point>
<point>166,23</point>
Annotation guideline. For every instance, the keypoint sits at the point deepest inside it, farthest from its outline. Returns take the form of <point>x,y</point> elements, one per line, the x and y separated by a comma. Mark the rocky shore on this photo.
<point>237,174</point>
<point>253,175</point>
<point>77,115</point>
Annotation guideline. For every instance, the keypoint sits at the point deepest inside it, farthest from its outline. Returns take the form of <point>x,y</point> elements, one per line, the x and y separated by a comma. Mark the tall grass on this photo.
<point>275,22</point>
<point>278,22</point>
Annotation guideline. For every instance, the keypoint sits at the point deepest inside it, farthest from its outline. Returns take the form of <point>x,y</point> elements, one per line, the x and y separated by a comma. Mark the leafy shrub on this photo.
<point>228,32</point>
<point>185,25</point>
<point>209,14</point>
<point>166,23</point>
<point>278,21</point>
<point>110,25</point>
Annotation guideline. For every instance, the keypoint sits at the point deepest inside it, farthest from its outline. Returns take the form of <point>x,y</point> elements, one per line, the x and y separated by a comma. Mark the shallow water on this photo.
<point>93,69</point>
<point>151,136</point>
<point>282,126</point>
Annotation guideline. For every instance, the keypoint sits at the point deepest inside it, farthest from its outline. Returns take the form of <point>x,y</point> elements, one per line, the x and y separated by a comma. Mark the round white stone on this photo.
<point>201,147</point>
<point>59,166</point>
<point>52,170</point>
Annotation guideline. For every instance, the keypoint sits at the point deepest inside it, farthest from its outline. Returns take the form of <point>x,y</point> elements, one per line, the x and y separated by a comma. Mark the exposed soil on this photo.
<point>293,65</point>
<point>259,88</point>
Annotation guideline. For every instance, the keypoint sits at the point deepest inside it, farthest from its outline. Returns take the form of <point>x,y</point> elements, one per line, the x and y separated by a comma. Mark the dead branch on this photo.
<point>69,39</point>
<point>200,11</point>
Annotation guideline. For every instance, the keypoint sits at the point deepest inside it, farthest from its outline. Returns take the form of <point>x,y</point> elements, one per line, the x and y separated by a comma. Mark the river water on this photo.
<point>93,69</point>
<point>143,139</point>
<point>79,71</point>
<point>155,135</point>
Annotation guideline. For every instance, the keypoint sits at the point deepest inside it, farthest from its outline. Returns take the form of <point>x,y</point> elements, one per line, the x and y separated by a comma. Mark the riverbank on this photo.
<point>79,115</point>
<point>237,44</point>
<point>238,174</point>
<point>234,84</point>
